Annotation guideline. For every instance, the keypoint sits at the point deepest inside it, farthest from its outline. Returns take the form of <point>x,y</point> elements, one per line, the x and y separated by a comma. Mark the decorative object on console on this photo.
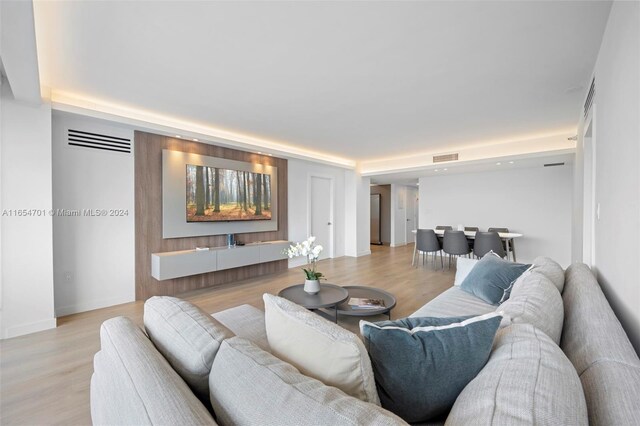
<point>311,251</point>
<point>491,278</point>
<point>319,348</point>
<point>422,364</point>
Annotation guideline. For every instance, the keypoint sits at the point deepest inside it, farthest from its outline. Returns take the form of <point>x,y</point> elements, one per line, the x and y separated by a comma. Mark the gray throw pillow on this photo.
<point>422,364</point>
<point>491,279</point>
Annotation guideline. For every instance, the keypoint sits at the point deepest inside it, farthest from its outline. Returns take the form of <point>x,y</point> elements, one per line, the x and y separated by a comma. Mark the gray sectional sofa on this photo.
<point>561,357</point>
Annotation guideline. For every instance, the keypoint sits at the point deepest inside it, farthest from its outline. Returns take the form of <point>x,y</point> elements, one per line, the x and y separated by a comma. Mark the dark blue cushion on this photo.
<point>491,277</point>
<point>422,364</point>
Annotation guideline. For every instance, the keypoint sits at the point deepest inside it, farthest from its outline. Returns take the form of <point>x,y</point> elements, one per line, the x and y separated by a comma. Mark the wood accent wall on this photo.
<point>148,217</point>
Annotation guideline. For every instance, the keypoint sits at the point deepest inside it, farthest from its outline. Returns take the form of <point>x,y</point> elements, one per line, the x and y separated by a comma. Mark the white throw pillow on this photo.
<point>463,267</point>
<point>319,348</point>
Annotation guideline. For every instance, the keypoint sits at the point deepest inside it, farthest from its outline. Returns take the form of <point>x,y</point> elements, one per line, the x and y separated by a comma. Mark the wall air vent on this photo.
<point>590,96</point>
<point>445,157</point>
<point>553,164</point>
<point>98,141</point>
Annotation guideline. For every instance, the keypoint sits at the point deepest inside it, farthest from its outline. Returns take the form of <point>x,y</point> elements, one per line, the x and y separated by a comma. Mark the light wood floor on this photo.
<point>44,377</point>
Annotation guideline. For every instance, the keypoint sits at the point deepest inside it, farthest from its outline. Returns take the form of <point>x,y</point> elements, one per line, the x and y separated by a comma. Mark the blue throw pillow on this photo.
<point>491,278</point>
<point>422,364</point>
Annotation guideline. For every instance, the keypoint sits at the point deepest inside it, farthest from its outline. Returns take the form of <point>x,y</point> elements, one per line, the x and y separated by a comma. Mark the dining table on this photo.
<point>507,237</point>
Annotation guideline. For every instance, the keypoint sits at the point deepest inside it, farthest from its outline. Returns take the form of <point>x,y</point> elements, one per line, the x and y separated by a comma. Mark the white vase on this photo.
<point>312,286</point>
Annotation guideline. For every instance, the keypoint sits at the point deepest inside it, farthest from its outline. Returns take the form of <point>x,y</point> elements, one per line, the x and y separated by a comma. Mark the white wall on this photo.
<point>617,135</point>
<point>27,257</point>
<point>93,256</point>
<point>400,212</point>
<point>533,201</point>
<point>363,219</point>
<point>357,214</point>
<point>299,175</point>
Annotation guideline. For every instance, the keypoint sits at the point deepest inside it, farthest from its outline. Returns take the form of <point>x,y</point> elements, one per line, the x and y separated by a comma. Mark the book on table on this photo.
<point>366,303</point>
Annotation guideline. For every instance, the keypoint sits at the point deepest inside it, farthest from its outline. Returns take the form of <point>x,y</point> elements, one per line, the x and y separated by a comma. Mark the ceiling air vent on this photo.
<point>445,157</point>
<point>590,95</point>
<point>98,141</point>
<point>553,164</point>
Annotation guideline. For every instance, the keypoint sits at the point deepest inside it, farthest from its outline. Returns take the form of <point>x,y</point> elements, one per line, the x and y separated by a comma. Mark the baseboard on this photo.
<point>33,327</point>
<point>364,253</point>
<point>397,245</point>
<point>91,305</point>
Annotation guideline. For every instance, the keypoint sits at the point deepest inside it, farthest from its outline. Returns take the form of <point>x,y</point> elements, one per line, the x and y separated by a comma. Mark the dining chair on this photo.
<point>471,240</point>
<point>427,242</point>
<point>455,244</point>
<point>486,242</point>
<point>504,243</point>
<point>443,228</point>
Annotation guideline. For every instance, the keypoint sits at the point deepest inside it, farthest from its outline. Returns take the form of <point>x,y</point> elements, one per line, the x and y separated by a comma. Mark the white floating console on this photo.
<point>176,264</point>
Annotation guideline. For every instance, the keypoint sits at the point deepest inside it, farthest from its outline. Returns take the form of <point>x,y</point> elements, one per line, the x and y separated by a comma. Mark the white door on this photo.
<point>412,213</point>
<point>321,208</point>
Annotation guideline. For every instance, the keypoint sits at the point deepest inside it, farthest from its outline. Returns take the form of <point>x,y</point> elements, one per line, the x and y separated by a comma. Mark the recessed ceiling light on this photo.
<point>510,162</point>
<point>259,153</point>
<point>436,170</point>
<point>270,155</point>
<point>178,136</point>
<point>418,184</point>
<point>445,170</point>
<point>196,140</point>
<point>497,164</point>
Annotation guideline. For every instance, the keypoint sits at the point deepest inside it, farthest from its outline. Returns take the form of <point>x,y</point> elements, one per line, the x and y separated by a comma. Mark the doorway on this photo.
<point>321,213</point>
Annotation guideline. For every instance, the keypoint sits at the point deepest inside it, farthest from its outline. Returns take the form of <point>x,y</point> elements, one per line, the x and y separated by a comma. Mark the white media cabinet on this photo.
<point>176,264</point>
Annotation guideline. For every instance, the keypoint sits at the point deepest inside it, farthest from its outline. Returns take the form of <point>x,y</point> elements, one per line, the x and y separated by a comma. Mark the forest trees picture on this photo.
<point>215,194</point>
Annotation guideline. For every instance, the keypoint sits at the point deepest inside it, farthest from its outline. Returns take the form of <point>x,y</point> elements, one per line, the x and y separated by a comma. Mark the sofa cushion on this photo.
<point>187,337</point>
<point>422,364</point>
<point>319,348</point>
<point>454,302</point>
<point>597,345</point>
<point>463,267</point>
<point>527,381</point>
<point>245,321</point>
<point>550,269</point>
<point>250,386</point>
<point>491,277</point>
<point>592,333</point>
<point>134,384</point>
<point>535,300</point>
<point>611,390</point>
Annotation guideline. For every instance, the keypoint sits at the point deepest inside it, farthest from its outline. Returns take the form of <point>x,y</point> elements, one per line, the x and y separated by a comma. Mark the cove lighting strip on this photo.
<point>149,120</point>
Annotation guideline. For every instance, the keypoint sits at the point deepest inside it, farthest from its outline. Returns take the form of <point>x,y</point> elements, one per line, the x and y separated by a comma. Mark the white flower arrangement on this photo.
<point>311,251</point>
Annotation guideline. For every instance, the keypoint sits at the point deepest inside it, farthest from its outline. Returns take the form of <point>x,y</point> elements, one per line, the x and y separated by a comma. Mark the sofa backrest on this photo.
<point>132,383</point>
<point>595,342</point>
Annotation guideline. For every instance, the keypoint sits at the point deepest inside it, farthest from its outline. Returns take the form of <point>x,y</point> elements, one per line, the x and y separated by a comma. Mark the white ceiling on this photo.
<point>410,177</point>
<point>359,80</point>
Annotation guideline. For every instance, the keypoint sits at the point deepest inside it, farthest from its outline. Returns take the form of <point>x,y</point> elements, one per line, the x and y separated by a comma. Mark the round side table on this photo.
<point>329,297</point>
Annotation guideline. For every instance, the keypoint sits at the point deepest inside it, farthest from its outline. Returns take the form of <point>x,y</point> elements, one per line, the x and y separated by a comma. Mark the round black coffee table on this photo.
<point>329,297</point>
<point>367,293</point>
